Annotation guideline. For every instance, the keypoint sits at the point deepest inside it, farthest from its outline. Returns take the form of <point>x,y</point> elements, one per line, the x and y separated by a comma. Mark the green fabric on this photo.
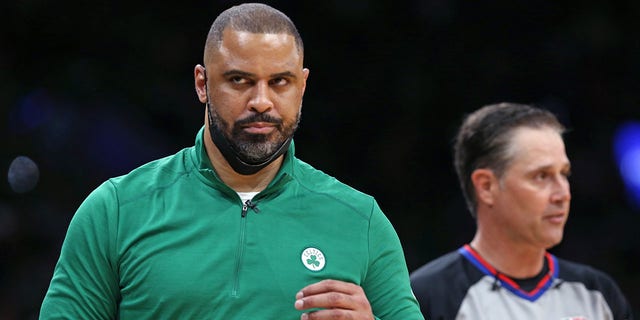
<point>168,241</point>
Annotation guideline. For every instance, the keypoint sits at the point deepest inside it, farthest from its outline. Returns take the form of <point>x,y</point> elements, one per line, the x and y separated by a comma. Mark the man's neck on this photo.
<point>238,182</point>
<point>514,260</point>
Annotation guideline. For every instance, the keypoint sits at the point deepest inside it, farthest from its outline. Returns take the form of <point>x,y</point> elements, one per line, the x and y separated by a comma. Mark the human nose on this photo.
<point>562,191</point>
<point>261,101</point>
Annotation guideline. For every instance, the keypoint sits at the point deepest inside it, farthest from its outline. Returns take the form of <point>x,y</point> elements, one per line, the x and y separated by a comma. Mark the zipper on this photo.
<point>243,224</point>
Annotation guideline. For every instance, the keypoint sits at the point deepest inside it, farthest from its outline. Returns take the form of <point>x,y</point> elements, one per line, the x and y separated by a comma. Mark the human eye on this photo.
<point>238,80</point>
<point>541,175</point>
<point>280,81</point>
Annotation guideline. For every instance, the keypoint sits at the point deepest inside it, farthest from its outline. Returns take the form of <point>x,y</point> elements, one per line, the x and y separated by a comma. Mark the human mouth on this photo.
<point>556,218</point>
<point>259,127</point>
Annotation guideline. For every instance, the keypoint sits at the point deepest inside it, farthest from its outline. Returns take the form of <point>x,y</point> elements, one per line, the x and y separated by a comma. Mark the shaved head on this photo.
<point>253,18</point>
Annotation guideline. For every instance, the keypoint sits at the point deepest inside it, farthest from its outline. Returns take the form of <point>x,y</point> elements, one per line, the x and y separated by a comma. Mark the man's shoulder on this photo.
<point>437,269</point>
<point>167,165</point>
<point>579,275</point>
<point>592,277</point>
<point>442,284</point>
<point>319,181</point>
<point>158,173</point>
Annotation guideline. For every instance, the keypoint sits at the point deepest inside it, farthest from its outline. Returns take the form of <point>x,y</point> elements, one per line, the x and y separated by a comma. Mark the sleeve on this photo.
<point>387,283</point>
<point>616,300</point>
<point>85,280</point>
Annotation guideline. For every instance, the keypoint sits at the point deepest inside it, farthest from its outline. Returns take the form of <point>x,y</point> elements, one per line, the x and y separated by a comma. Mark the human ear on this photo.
<point>305,75</point>
<point>484,182</point>
<point>200,80</point>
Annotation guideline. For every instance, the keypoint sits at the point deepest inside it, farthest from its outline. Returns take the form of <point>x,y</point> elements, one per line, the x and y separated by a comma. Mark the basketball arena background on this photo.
<point>92,89</point>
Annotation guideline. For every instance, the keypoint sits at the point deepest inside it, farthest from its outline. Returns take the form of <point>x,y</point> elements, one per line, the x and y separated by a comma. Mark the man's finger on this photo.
<point>328,314</point>
<point>328,300</point>
<point>329,285</point>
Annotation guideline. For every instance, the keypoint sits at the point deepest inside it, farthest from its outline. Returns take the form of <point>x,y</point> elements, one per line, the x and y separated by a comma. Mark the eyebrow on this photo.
<point>286,74</point>
<point>235,72</point>
<point>566,166</point>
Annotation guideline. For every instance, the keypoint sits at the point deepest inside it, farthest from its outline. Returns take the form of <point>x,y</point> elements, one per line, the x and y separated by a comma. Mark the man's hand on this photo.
<point>336,299</point>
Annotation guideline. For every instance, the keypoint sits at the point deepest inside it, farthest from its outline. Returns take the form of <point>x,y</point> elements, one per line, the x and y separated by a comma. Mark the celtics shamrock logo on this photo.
<point>313,259</point>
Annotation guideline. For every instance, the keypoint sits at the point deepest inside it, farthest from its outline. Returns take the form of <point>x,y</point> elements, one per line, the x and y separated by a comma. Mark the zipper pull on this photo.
<point>249,205</point>
<point>252,206</point>
<point>244,209</point>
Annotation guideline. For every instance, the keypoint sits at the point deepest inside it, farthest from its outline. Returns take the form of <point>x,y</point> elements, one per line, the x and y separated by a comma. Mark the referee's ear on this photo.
<point>486,186</point>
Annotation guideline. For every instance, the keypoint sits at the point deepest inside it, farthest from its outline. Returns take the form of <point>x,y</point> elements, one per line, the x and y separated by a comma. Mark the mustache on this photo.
<point>261,117</point>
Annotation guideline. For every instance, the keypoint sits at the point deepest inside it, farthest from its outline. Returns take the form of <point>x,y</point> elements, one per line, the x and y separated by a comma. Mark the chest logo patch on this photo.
<point>313,259</point>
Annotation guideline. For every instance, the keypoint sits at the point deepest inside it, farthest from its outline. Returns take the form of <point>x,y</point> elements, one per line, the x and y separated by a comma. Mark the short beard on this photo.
<point>255,148</point>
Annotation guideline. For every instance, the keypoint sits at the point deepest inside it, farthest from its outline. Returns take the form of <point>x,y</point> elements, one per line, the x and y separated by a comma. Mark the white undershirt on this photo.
<point>246,196</point>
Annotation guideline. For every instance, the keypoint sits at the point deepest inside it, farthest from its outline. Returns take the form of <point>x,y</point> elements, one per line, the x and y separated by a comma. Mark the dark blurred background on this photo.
<point>92,89</point>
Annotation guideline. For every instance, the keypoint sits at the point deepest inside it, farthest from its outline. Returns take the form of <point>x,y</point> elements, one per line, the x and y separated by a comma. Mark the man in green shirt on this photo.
<point>235,227</point>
